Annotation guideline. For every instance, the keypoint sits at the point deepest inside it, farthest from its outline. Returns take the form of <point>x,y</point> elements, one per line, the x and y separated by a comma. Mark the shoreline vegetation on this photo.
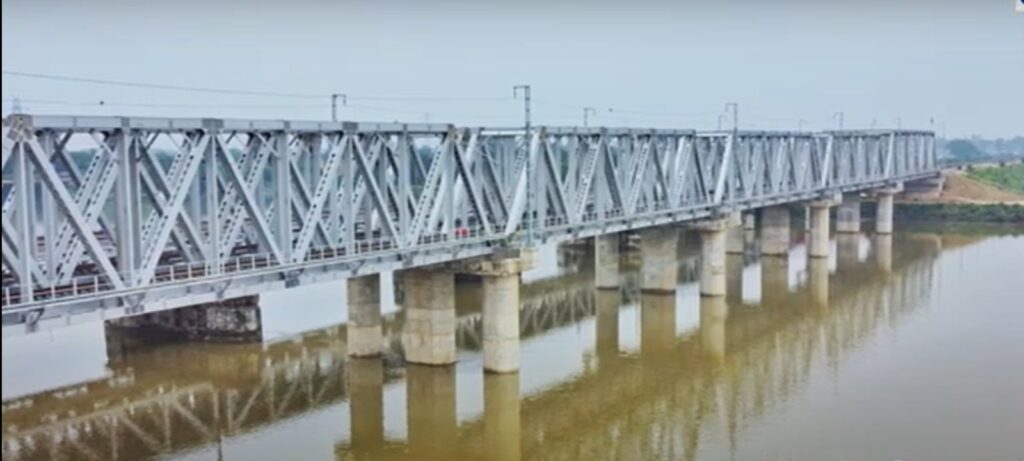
<point>985,194</point>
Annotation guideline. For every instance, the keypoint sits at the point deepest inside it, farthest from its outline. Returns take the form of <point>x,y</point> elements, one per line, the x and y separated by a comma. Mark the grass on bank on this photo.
<point>1010,177</point>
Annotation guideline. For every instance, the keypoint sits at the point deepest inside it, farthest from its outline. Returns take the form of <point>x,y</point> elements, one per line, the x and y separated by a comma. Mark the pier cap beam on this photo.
<point>500,275</point>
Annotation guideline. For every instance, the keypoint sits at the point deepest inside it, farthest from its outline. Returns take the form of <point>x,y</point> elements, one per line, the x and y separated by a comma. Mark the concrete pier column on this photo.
<point>366,406</point>
<point>657,324</point>
<point>749,222</point>
<point>818,244</point>
<point>501,323</point>
<point>607,304</point>
<point>500,275</point>
<point>606,261</point>
<point>712,264</point>
<point>882,251</point>
<point>502,424</point>
<point>817,281</point>
<point>714,312</point>
<point>734,241</point>
<point>364,318</point>
<point>230,320</point>
<point>774,279</point>
<point>884,211</point>
<point>734,277</point>
<point>431,420</point>
<point>428,335</point>
<point>847,250</point>
<point>660,269</point>
<point>848,214</point>
<point>775,231</point>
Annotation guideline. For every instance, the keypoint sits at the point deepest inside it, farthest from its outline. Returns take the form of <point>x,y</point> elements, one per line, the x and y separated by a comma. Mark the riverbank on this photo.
<point>986,195</point>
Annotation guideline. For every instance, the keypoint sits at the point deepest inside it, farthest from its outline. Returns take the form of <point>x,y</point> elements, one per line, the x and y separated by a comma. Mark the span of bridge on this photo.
<point>137,215</point>
<point>764,354</point>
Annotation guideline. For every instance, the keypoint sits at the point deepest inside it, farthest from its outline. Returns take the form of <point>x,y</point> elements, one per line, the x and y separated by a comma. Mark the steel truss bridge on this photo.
<point>139,412</point>
<point>131,215</point>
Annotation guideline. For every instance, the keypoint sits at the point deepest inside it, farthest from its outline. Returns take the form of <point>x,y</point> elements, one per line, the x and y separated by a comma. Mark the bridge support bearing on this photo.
<point>428,335</point>
<point>848,215</point>
<point>364,317</point>
<point>233,320</point>
<point>712,264</point>
<point>606,261</point>
<point>775,231</point>
<point>817,278</point>
<point>500,274</point>
<point>774,279</point>
<point>660,268</point>
<point>818,244</point>
<point>884,211</point>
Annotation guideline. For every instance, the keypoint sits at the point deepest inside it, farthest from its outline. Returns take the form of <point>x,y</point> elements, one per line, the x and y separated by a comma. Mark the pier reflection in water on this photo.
<point>688,391</point>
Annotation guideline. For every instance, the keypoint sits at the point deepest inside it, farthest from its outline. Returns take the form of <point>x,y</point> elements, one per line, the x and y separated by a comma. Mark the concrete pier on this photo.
<point>364,317</point>
<point>607,304</point>
<point>818,243</point>
<point>428,335</point>
<point>233,320</point>
<point>431,418</point>
<point>734,241</point>
<point>606,261</point>
<point>660,269</point>
<point>749,222</point>
<point>500,276</point>
<point>502,423</point>
<point>884,211</point>
<point>734,277</point>
<point>848,214</point>
<point>775,231</point>
<point>712,265</point>
<point>366,406</point>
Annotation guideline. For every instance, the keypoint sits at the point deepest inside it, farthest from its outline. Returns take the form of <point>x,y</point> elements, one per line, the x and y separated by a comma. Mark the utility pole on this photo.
<point>735,106</point>
<point>334,104</point>
<point>526,103</point>
<point>839,116</point>
<point>587,111</point>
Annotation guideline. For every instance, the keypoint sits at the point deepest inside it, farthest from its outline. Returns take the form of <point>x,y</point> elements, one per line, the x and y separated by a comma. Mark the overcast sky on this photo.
<point>653,63</point>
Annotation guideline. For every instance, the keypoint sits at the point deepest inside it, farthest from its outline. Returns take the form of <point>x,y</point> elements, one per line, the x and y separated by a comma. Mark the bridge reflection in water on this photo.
<point>741,360</point>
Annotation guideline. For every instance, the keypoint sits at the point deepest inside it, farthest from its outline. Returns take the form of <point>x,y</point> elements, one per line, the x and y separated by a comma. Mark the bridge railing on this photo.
<point>123,205</point>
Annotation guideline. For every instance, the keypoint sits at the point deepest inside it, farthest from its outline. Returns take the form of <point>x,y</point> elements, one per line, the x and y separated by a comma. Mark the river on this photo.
<point>909,347</point>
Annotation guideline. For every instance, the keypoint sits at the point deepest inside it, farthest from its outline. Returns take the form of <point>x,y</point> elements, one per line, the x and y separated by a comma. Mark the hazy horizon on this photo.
<point>653,63</point>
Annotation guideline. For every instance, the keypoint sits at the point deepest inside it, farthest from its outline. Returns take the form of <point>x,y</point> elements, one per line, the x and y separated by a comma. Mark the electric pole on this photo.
<point>587,111</point>
<point>334,104</point>
<point>735,115</point>
<point>526,103</point>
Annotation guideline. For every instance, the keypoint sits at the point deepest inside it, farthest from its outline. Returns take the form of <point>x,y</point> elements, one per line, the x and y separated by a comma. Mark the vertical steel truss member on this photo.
<point>151,213</point>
